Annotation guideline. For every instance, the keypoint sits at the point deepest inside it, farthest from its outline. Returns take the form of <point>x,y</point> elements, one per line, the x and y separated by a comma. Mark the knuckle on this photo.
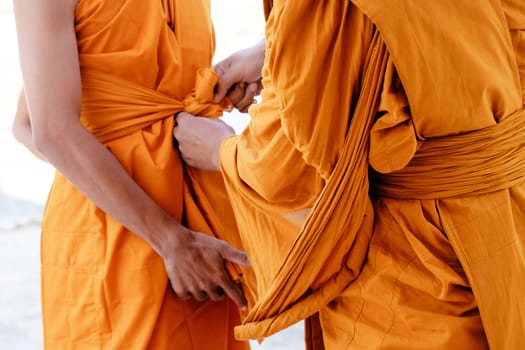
<point>179,291</point>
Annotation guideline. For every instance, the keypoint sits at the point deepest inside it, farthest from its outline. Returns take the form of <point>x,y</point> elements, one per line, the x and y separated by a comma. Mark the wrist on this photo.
<point>169,236</point>
<point>260,46</point>
<point>217,155</point>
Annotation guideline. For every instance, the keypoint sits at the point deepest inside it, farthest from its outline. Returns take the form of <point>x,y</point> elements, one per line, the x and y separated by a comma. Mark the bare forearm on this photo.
<point>97,173</point>
<point>51,69</point>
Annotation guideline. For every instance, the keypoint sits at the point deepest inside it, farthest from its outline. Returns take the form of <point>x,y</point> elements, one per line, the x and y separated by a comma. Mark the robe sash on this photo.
<point>114,107</point>
<point>473,163</point>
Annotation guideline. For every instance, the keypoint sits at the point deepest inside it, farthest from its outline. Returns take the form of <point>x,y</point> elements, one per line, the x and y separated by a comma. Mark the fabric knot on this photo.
<point>200,101</point>
<point>114,107</point>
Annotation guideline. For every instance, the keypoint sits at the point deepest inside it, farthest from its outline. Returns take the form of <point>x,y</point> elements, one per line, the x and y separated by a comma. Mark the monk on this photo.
<point>379,187</point>
<point>133,254</point>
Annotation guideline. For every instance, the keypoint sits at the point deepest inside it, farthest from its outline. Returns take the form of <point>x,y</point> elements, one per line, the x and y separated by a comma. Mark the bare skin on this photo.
<point>240,76</point>
<point>22,126</point>
<point>53,92</point>
<point>201,149</point>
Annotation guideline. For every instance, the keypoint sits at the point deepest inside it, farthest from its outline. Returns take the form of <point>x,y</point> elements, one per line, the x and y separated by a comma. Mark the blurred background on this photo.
<point>25,181</point>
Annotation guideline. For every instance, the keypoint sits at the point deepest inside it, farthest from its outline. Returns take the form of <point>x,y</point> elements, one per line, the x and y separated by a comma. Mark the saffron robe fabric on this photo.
<point>103,287</point>
<point>442,271</point>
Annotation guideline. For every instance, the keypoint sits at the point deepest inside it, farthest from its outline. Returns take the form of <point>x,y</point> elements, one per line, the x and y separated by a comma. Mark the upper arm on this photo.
<point>49,61</point>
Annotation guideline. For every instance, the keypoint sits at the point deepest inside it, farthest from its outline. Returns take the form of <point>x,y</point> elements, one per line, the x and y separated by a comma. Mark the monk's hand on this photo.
<point>199,140</point>
<point>242,95</point>
<point>241,72</point>
<point>195,264</point>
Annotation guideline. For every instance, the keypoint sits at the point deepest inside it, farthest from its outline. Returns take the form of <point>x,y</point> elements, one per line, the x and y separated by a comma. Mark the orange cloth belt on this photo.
<point>473,163</point>
<point>128,107</point>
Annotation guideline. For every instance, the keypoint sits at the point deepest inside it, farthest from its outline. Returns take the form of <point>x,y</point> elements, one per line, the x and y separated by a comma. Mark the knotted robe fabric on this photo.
<point>103,287</point>
<point>442,271</point>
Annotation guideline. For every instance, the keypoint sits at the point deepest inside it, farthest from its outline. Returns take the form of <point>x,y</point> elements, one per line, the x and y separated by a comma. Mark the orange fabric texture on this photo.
<point>103,287</point>
<point>267,6</point>
<point>308,265</point>
<point>465,95</point>
<point>441,272</point>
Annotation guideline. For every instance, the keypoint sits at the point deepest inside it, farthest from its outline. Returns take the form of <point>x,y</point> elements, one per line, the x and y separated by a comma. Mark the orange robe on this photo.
<point>439,261</point>
<point>103,287</point>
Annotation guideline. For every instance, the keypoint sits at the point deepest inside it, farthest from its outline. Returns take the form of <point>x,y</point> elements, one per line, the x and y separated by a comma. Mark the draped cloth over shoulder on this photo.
<point>447,252</point>
<point>466,97</point>
<point>103,287</point>
<point>327,253</point>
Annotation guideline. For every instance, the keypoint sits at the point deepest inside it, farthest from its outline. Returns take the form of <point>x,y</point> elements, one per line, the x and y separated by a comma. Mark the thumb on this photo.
<point>226,80</point>
<point>234,255</point>
<point>182,117</point>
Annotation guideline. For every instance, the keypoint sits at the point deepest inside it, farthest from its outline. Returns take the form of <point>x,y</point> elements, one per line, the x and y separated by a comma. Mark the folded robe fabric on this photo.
<point>314,265</point>
<point>103,287</point>
<point>457,71</point>
<point>463,82</point>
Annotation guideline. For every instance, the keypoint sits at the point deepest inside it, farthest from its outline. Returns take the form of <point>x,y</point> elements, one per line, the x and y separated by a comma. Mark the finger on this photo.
<point>220,67</point>
<point>259,86</point>
<point>200,295</point>
<point>234,255</point>
<point>182,117</point>
<point>250,92</point>
<point>179,134</point>
<point>235,293</point>
<point>192,289</point>
<point>219,291</point>
<point>216,292</point>
<point>236,94</point>
<point>178,289</point>
<point>224,84</point>
<point>245,109</point>
<point>184,296</point>
<point>253,88</point>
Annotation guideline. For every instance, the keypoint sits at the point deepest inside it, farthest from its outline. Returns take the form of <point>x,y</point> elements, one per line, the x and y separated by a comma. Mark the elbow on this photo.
<point>48,139</point>
<point>21,130</point>
<point>16,130</point>
<point>43,140</point>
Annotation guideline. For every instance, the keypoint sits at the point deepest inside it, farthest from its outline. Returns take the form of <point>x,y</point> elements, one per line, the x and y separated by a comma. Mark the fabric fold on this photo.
<point>102,285</point>
<point>128,107</point>
<point>303,285</point>
<point>412,280</point>
<point>468,164</point>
